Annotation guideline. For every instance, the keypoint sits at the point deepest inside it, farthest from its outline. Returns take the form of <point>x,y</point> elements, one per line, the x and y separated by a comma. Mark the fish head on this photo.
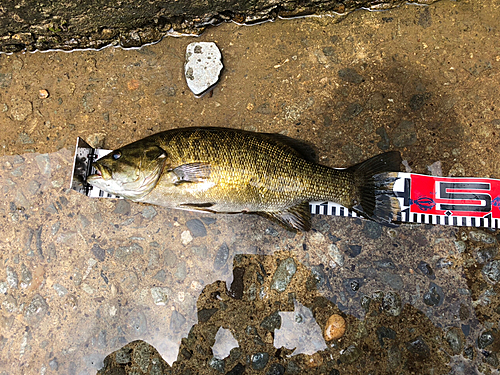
<point>131,171</point>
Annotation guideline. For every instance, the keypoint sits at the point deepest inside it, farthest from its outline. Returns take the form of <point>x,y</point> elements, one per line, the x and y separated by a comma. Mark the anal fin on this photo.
<point>296,218</point>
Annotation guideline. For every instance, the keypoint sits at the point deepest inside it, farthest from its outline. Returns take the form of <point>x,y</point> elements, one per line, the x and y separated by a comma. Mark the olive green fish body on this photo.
<point>231,171</point>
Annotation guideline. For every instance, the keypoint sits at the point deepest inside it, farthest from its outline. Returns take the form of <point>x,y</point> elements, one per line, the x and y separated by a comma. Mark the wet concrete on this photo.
<point>80,278</point>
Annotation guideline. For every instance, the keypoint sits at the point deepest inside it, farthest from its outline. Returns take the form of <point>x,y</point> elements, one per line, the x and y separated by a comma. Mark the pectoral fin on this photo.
<point>192,172</point>
<point>296,218</point>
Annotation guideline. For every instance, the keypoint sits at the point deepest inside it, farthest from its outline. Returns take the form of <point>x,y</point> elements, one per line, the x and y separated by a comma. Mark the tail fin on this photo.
<point>374,180</point>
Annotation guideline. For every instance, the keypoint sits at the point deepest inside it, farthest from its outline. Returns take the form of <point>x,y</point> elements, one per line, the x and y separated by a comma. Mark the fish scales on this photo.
<point>231,171</point>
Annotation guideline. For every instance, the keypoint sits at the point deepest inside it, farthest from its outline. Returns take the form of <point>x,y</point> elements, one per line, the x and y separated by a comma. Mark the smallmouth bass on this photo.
<point>222,170</point>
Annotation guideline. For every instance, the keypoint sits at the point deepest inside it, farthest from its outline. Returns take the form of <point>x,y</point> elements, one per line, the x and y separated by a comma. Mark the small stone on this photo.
<point>335,327</point>
<point>336,255</point>
<point>177,321</point>
<point>200,251</point>
<point>205,314</point>
<point>186,237</point>
<point>54,365</point>
<point>259,360</point>
<point>353,285</point>
<point>417,101</point>
<point>196,227</point>
<point>43,94</point>
<point>161,276</point>
<point>491,271</point>
<point>276,369</point>
<point>84,222</point>
<point>221,256</point>
<point>217,364</point>
<point>482,237</point>
<point>181,271</point>
<point>391,303</point>
<point>3,287</point>
<point>149,212</point>
<point>12,278</point>
<point>60,290</point>
<point>353,251</point>
<point>237,287</point>
<point>98,252</point>
<point>372,230</point>
<point>455,338</point>
<point>33,187</point>
<point>123,252</point>
<point>283,275</point>
<point>385,141</point>
<point>350,75</point>
<point>202,66</point>
<point>426,269</point>
<point>160,295</point>
<point>36,310</point>
<point>122,356</point>
<point>271,322</point>
<point>385,333</point>
<point>122,207</point>
<point>435,295</point>
<point>404,135</point>
<point>485,339</point>
<point>25,139</point>
<point>26,276</point>
<point>419,348</point>
<point>350,355</point>
<point>20,109</point>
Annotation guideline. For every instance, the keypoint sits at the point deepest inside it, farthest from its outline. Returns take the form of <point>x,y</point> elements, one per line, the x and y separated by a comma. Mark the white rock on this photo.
<point>202,67</point>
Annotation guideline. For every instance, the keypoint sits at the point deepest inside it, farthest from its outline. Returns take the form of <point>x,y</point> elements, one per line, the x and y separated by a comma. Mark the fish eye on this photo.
<point>116,155</point>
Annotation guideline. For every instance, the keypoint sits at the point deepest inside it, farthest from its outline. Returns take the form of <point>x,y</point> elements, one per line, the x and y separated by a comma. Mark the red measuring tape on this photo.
<point>458,201</point>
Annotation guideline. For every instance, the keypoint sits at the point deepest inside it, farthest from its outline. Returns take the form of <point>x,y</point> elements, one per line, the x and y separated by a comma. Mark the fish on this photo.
<point>223,170</point>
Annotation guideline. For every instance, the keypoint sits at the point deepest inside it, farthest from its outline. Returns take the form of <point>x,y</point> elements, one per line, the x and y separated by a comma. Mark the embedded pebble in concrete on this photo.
<point>20,109</point>
<point>259,360</point>
<point>149,212</point>
<point>456,339</point>
<point>221,256</point>
<point>196,227</point>
<point>36,310</point>
<point>60,290</point>
<point>224,343</point>
<point>491,271</point>
<point>160,295</point>
<point>202,66</point>
<point>12,278</point>
<point>335,327</point>
<point>122,207</point>
<point>283,275</point>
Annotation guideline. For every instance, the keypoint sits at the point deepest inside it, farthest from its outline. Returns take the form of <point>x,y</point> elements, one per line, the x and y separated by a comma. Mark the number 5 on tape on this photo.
<point>462,201</point>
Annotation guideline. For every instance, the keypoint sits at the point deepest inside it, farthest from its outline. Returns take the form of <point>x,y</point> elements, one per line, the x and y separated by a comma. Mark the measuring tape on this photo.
<point>457,201</point>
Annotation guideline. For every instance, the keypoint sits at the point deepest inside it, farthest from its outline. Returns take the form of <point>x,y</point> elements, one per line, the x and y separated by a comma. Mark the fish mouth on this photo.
<point>101,173</point>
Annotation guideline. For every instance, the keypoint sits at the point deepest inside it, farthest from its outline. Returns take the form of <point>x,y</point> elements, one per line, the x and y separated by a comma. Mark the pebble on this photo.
<point>276,369</point>
<point>169,258</point>
<point>181,272</point>
<point>335,327</point>
<point>186,237</point>
<point>124,252</point>
<point>217,364</point>
<point>455,339</point>
<point>20,109</point>
<point>271,322</point>
<point>98,252</point>
<point>419,347</point>
<point>200,251</point>
<point>385,333</point>
<point>482,237</point>
<point>60,290</point>
<point>336,255</point>
<point>236,288</point>
<point>43,94</point>
<point>385,141</point>
<point>122,207</point>
<point>10,304</point>
<point>435,295</point>
<point>3,287</point>
<point>417,101</point>
<point>33,187</point>
<point>177,321</point>
<point>392,280</point>
<point>196,227</point>
<point>391,303</point>
<point>372,230</point>
<point>204,315</point>
<point>84,222</point>
<point>122,356</point>
<point>353,251</point>
<point>404,134</point>
<point>221,256</point>
<point>426,269</point>
<point>36,310</point>
<point>26,276</point>
<point>350,355</point>
<point>485,339</point>
<point>160,295</point>
<point>224,343</point>
<point>202,66</point>
<point>353,285</point>
<point>139,323</point>
<point>54,365</point>
<point>259,360</point>
<point>350,75</point>
<point>149,212</point>
<point>43,163</point>
<point>161,276</point>
<point>25,139</point>
<point>12,278</point>
<point>491,271</point>
<point>283,275</point>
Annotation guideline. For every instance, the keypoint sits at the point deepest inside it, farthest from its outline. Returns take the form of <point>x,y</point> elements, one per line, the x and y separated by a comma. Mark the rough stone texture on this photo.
<point>71,24</point>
